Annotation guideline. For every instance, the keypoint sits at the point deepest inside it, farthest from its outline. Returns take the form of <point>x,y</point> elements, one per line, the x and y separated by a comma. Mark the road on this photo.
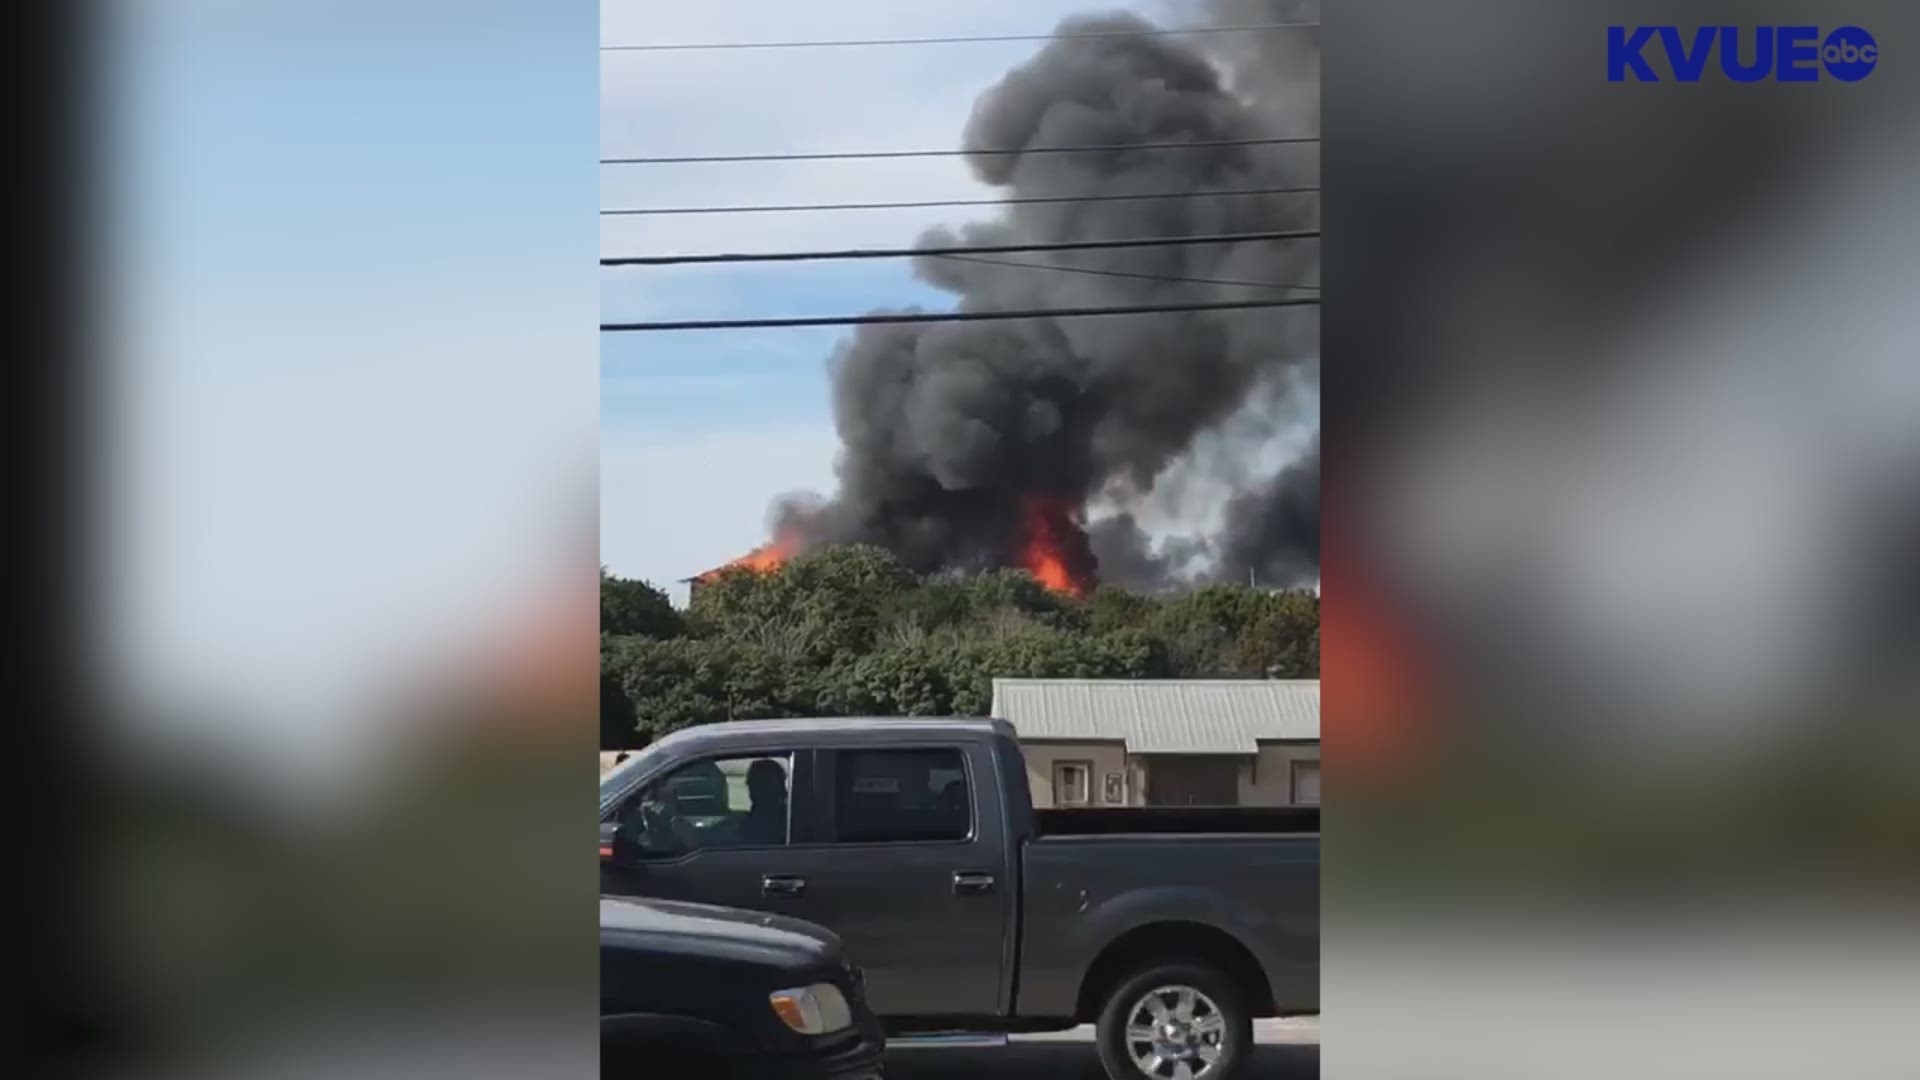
<point>1286,1050</point>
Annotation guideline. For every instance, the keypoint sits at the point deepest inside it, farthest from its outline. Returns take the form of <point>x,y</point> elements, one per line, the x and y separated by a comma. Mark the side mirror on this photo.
<point>643,838</point>
<point>625,845</point>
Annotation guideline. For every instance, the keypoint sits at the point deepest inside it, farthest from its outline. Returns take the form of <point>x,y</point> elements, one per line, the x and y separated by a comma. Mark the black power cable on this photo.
<point>947,316</point>
<point>1202,144</point>
<point>958,249</point>
<point>931,203</point>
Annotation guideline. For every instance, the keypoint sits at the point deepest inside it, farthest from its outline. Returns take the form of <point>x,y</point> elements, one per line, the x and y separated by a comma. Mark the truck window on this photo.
<point>891,796</point>
<point>738,801</point>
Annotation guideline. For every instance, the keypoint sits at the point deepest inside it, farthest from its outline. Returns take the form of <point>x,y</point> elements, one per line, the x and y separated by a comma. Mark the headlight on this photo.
<point>812,1010</point>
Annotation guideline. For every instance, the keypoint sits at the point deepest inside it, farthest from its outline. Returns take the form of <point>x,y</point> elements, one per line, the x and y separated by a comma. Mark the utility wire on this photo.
<point>697,159</point>
<point>949,316</point>
<point>927,203</point>
<point>714,46</point>
<point>1123,273</point>
<point>956,249</point>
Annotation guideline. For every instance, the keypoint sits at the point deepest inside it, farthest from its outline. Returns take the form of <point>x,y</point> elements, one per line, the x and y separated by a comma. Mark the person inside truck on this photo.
<point>676,816</point>
<point>766,818</point>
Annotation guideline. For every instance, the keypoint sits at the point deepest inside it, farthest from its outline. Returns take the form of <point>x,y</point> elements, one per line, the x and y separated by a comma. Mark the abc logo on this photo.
<point>1849,54</point>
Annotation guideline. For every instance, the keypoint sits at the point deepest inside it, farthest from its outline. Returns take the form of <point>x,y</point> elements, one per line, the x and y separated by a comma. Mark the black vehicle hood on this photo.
<point>706,930</point>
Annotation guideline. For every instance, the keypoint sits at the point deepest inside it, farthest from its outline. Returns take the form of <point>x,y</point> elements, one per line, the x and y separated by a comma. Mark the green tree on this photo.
<point>632,607</point>
<point>904,680</point>
<point>839,595</point>
<point>851,631</point>
<point>617,726</point>
<point>1111,608</point>
<point>670,684</point>
<point>1282,640</point>
<point>1017,590</point>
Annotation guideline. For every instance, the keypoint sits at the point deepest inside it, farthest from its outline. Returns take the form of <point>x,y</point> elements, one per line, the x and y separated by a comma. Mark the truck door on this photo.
<point>715,830</point>
<point>908,864</point>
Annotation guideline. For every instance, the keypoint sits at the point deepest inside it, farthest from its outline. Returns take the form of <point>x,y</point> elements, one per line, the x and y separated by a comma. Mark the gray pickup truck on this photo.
<point>916,842</point>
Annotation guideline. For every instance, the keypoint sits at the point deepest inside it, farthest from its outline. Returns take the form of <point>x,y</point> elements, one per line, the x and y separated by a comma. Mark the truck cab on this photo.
<point>878,829</point>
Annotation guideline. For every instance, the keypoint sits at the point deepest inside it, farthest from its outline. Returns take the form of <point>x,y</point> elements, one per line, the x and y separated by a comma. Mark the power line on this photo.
<point>957,249</point>
<point>708,46</point>
<point>1124,273</point>
<point>928,203</point>
<point>949,316</point>
<point>699,159</point>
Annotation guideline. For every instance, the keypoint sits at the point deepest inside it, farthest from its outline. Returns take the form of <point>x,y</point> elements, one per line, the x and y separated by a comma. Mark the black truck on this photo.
<point>692,990</point>
<point>916,842</point>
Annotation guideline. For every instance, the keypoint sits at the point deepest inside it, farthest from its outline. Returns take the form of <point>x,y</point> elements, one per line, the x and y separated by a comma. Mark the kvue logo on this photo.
<point>1781,53</point>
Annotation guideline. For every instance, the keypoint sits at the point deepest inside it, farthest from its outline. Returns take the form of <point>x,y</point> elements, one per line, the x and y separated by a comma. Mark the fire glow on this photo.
<point>1049,535</point>
<point>764,559</point>
<point>1047,526</point>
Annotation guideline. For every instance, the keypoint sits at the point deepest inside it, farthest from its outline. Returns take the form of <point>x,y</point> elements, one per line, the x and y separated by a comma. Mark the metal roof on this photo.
<point>1162,716</point>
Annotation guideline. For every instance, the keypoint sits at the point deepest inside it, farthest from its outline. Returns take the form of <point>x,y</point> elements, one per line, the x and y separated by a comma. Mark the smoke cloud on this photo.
<point>959,441</point>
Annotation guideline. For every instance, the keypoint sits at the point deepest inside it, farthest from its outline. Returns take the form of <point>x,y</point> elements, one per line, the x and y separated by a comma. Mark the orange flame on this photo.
<point>764,559</point>
<point>1043,549</point>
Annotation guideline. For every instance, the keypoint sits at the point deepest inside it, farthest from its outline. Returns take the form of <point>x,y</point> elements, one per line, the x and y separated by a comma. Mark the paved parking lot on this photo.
<point>1287,1050</point>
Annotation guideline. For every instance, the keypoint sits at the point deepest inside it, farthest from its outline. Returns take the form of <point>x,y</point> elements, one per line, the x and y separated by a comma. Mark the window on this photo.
<point>883,796</point>
<point>1306,783</point>
<point>1072,781</point>
<point>739,801</point>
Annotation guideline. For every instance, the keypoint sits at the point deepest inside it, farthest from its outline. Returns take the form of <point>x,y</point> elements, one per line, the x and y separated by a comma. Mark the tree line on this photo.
<point>849,631</point>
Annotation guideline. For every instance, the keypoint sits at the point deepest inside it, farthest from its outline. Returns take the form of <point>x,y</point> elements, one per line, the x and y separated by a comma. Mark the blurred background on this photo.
<point>1622,418</point>
<point>339,554</point>
<point>1622,547</point>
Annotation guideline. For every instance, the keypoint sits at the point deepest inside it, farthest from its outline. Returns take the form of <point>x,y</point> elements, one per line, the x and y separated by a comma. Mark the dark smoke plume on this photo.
<point>1272,534</point>
<point>955,436</point>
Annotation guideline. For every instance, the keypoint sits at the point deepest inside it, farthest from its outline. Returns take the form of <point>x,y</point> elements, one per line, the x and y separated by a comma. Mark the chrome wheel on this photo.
<point>1176,1033</point>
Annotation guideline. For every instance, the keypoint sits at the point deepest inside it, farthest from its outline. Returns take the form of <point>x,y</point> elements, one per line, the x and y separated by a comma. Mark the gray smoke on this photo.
<point>1272,534</point>
<point>954,436</point>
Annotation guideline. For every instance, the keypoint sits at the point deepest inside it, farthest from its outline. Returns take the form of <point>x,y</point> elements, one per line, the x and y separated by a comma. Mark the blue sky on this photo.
<point>700,430</point>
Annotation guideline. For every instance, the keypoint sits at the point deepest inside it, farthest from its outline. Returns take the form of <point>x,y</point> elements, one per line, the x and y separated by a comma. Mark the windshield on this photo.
<point>616,778</point>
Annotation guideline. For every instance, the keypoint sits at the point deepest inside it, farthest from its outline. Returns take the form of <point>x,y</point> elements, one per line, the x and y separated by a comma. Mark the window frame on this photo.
<point>826,778</point>
<point>1086,772</point>
<point>1293,780</point>
<point>792,759</point>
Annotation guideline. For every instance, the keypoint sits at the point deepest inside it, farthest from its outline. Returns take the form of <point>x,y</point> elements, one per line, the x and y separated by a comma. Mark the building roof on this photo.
<point>1162,716</point>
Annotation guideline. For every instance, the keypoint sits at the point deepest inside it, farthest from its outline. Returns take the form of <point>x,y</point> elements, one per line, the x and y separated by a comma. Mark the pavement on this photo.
<point>1283,1050</point>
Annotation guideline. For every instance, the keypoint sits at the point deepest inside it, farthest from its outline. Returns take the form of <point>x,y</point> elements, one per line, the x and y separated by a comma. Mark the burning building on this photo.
<point>768,556</point>
<point>1043,443</point>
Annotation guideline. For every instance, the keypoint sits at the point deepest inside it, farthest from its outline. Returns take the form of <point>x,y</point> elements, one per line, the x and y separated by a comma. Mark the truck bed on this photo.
<point>1084,890</point>
<point>1178,820</point>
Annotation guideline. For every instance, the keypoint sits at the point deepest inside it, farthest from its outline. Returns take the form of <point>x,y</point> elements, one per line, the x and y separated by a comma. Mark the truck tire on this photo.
<point>1175,1021</point>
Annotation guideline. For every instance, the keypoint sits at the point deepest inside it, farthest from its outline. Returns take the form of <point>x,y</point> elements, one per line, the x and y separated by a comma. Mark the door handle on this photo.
<point>971,883</point>
<point>782,885</point>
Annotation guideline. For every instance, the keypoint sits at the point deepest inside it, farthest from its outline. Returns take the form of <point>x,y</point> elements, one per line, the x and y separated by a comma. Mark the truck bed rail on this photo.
<point>1177,820</point>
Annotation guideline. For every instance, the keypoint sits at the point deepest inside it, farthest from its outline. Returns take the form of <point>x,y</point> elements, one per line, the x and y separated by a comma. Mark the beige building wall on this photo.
<point>1264,781</point>
<point>1268,779</point>
<point>1104,757</point>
